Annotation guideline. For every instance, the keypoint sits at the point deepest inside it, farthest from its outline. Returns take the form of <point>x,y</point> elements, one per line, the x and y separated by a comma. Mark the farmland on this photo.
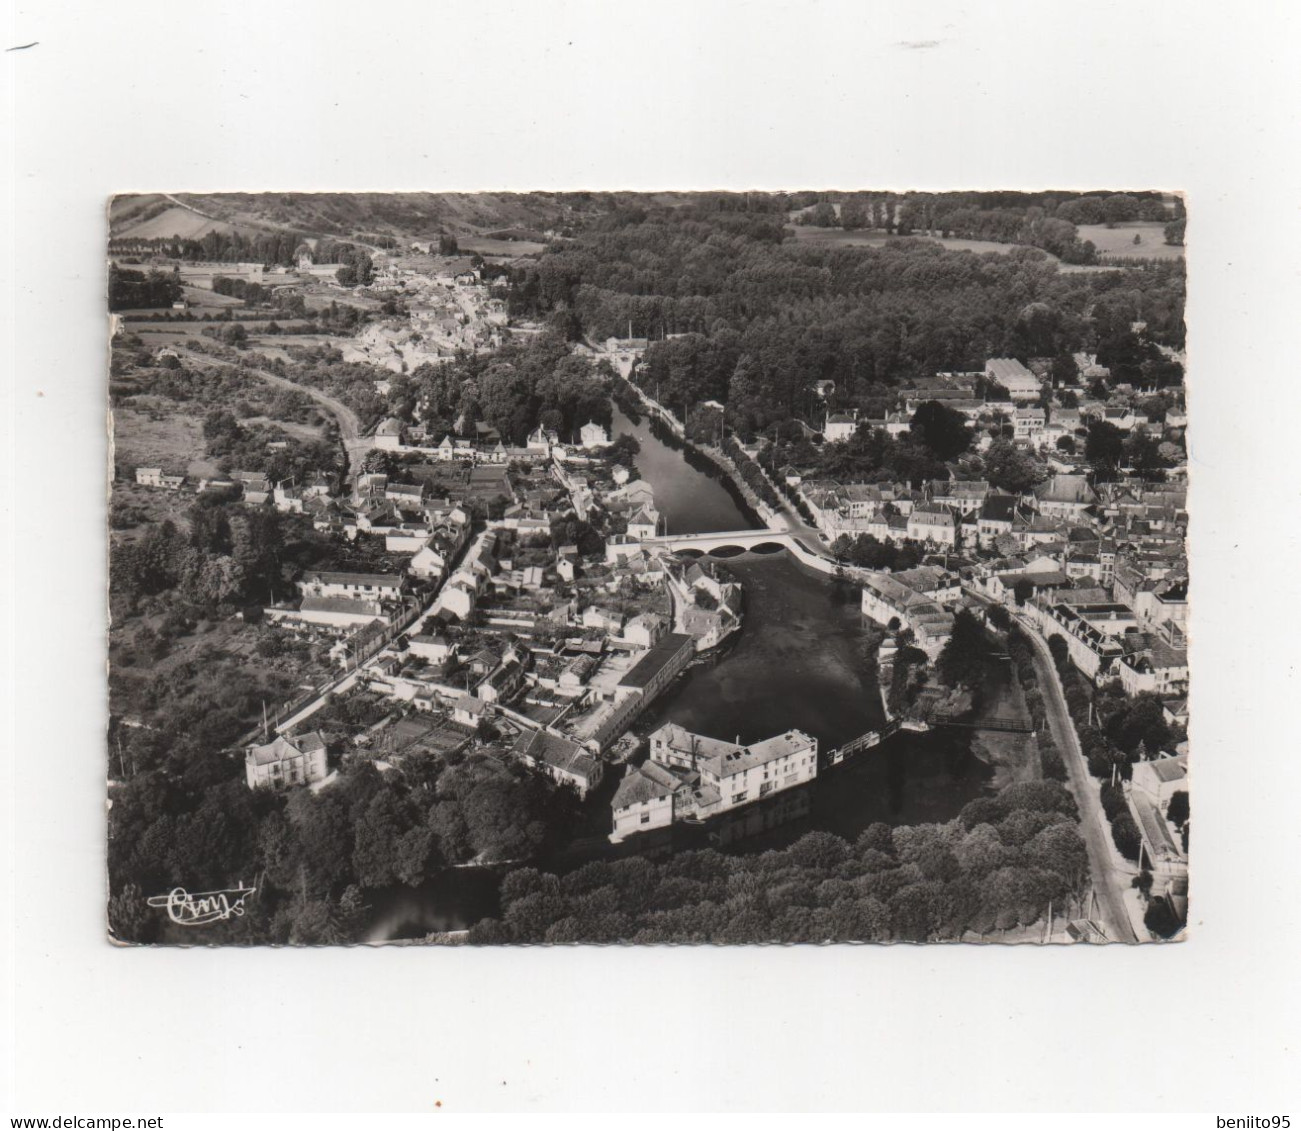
<point>1119,241</point>
<point>174,221</point>
<point>149,436</point>
<point>837,237</point>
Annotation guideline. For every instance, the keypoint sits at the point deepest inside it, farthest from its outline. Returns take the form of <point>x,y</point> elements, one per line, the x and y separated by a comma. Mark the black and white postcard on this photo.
<point>694,567</point>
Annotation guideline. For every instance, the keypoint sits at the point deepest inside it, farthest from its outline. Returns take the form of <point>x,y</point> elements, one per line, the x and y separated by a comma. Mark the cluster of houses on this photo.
<point>1103,568</point>
<point>486,446</point>
<point>1008,395</point>
<point>531,649</point>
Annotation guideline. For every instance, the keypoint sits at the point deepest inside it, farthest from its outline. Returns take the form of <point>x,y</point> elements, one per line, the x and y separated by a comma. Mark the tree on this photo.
<point>1177,810</point>
<point>1125,835</point>
<point>376,834</point>
<point>1023,590</point>
<point>963,659</point>
<point>941,430</point>
<point>129,917</point>
<point>1058,649</point>
<point>1143,454</point>
<point>1011,469</point>
<point>1174,232</point>
<point>1161,919</point>
<point>447,245</point>
<point>1064,371</point>
<point>1105,444</point>
<point>1119,208</point>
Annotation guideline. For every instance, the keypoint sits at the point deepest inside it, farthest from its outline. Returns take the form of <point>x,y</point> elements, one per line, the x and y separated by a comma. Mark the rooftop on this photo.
<point>375,580</point>
<point>655,659</point>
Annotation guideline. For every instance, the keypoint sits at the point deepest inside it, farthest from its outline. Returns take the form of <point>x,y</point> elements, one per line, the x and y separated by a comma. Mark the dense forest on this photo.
<point>764,316</point>
<point>995,867</point>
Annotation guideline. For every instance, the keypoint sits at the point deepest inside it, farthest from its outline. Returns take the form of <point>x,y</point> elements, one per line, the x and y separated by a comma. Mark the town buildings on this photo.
<point>692,777</point>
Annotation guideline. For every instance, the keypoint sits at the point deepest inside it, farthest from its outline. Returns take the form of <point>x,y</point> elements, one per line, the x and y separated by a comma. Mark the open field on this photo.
<point>156,335</point>
<point>305,432</point>
<point>505,248</point>
<point>207,299</point>
<point>166,438</point>
<point>174,221</point>
<point>873,237</point>
<point>1119,241</point>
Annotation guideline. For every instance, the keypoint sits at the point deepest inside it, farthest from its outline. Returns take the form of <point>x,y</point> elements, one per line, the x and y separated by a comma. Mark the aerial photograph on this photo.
<point>671,567</point>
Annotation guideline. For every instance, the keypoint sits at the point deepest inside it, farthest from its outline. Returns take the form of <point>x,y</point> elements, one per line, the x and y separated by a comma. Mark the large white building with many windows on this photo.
<point>695,777</point>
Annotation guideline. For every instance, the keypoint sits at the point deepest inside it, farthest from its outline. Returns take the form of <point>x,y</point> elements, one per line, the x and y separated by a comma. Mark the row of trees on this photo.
<point>138,290</point>
<point>269,248</point>
<point>868,552</point>
<point>997,866</point>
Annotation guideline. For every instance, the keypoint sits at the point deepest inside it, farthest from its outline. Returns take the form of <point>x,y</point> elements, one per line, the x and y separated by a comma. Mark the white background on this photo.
<point>243,96</point>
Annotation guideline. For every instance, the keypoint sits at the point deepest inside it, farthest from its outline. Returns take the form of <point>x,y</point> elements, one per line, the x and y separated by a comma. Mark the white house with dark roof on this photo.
<point>739,774</point>
<point>331,612</point>
<point>469,711</point>
<point>643,523</point>
<point>933,524</point>
<point>410,495</point>
<point>366,586</point>
<point>840,426</point>
<point>1065,496</point>
<point>286,762</point>
<point>644,800</point>
<point>436,649</point>
<point>1161,778</point>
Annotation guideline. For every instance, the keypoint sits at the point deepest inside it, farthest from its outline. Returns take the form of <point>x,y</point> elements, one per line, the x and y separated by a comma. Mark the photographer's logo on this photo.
<point>197,909</point>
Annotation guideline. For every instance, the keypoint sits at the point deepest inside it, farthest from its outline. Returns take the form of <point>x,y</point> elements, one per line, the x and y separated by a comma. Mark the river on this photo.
<point>798,661</point>
<point>690,501</point>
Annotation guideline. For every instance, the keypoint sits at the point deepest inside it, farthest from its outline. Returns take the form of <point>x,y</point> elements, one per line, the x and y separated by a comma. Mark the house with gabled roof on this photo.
<point>559,758</point>
<point>389,434</point>
<point>286,762</point>
<point>1065,496</point>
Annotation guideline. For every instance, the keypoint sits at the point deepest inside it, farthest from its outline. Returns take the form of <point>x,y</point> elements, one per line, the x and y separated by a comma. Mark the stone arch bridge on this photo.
<point>737,540</point>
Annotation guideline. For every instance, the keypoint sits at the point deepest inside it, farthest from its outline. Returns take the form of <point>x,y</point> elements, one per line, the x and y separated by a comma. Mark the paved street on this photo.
<point>1108,883</point>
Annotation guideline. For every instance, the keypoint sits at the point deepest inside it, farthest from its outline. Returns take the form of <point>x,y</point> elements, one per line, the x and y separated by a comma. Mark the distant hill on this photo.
<point>409,215</point>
